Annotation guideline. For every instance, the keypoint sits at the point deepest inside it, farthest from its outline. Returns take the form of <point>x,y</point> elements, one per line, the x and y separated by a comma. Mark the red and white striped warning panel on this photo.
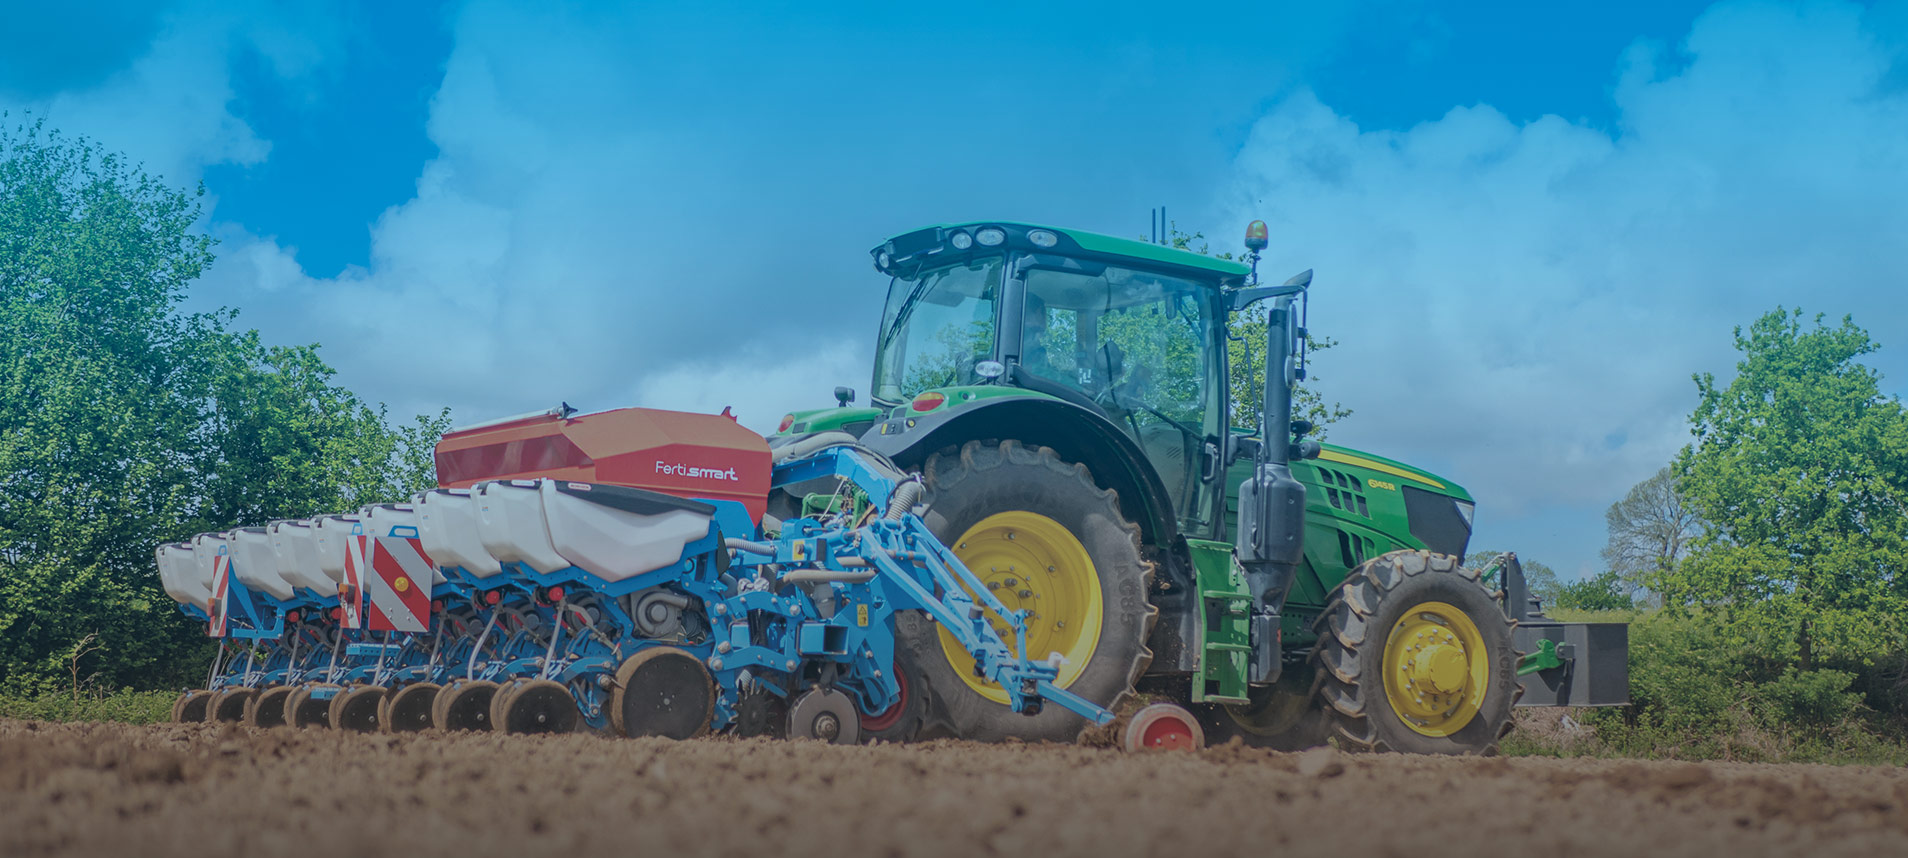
<point>221,587</point>
<point>399,585</point>
<point>351,589</point>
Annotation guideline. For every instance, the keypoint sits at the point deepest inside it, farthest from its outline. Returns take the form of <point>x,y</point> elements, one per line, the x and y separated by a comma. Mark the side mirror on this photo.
<point>844,395</point>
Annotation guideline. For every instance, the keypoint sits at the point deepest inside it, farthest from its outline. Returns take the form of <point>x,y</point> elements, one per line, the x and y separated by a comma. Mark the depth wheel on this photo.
<point>1044,538</point>
<point>228,706</point>
<point>409,709</point>
<point>1416,656</point>
<point>267,708</point>
<point>824,714</point>
<point>302,710</point>
<point>190,707</point>
<point>1163,727</point>
<point>465,706</point>
<point>537,707</point>
<point>357,709</point>
<point>663,691</point>
<point>904,721</point>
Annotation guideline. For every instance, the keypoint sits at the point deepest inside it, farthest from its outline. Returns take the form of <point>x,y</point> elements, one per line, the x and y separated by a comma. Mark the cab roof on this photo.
<point>1092,243</point>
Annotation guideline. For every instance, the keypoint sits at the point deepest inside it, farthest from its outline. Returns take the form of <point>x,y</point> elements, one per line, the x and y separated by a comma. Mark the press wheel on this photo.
<point>408,710</point>
<point>536,707</point>
<point>267,708</point>
<point>663,691</point>
<point>303,710</point>
<point>501,699</point>
<point>190,707</point>
<point>465,706</point>
<point>228,706</point>
<point>357,709</point>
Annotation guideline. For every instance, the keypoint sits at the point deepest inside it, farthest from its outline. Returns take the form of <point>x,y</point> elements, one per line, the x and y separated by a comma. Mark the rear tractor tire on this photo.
<point>1045,538</point>
<point>1415,656</point>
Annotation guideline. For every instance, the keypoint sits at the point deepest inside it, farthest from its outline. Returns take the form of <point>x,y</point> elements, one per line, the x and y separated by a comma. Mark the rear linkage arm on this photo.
<point>909,566</point>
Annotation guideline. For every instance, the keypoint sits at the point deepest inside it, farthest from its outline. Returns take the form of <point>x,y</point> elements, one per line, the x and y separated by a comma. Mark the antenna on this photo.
<point>1156,222</point>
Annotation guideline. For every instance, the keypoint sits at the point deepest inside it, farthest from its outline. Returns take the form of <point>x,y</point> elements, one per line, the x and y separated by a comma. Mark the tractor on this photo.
<point>1064,397</point>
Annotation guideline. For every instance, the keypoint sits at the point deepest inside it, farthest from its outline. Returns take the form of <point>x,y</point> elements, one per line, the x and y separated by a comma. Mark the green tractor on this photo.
<point>1064,394</point>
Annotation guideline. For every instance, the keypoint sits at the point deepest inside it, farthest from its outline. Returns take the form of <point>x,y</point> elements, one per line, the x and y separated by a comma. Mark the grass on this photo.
<point>127,705</point>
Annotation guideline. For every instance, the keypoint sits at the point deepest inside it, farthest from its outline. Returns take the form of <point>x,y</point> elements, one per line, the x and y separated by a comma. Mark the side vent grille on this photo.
<point>1343,492</point>
<point>1353,550</point>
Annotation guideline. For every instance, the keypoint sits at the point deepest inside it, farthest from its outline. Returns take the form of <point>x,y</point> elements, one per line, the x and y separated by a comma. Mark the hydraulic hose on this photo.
<point>906,495</point>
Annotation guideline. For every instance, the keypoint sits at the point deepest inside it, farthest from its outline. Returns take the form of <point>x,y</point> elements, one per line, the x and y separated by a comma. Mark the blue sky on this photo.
<point>1531,222</point>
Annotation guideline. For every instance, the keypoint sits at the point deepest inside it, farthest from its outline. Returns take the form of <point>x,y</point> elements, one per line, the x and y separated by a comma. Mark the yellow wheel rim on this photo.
<point>1437,669</point>
<point>1031,563</point>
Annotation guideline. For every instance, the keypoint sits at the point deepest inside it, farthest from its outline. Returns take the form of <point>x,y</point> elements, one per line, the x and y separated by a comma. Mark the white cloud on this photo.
<point>1521,306</point>
<point>169,109</point>
<point>760,387</point>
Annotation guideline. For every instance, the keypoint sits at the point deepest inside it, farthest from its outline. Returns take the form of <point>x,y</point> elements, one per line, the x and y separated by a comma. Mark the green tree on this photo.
<point>1245,356</point>
<point>1796,473</point>
<point>1604,591</point>
<point>125,422</point>
<point>1650,529</point>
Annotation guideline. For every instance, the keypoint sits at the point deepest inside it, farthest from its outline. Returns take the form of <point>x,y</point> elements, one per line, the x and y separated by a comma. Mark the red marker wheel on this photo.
<point>1163,726</point>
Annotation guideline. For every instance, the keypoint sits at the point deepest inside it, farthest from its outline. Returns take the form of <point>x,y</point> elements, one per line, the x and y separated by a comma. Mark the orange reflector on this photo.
<point>787,421</point>
<point>928,401</point>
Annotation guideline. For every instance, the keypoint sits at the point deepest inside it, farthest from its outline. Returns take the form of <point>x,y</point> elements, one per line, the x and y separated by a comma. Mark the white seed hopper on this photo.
<point>179,575</point>
<point>450,526</point>
<point>255,564</point>
<point>616,533</point>
<point>297,550</point>
<point>513,529</point>
<point>332,533</point>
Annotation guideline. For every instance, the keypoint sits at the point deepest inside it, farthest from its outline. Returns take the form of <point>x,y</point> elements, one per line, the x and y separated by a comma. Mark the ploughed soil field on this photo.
<point>110,789</point>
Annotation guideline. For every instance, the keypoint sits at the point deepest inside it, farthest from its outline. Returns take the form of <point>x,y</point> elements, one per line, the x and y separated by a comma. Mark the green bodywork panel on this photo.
<point>1112,245</point>
<point>967,394</point>
<point>829,419</point>
<point>824,419</point>
<point>1354,510</point>
<point>1225,634</point>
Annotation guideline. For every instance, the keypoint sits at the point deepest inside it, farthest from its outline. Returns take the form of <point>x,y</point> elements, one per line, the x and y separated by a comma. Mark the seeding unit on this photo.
<point>545,604</point>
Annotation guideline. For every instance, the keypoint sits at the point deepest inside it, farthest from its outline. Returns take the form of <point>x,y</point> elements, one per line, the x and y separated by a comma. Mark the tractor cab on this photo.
<point>1125,330</point>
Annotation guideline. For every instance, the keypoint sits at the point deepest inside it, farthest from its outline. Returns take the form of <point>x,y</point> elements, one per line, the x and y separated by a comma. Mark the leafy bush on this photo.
<point>132,707</point>
<point>1698,690</point>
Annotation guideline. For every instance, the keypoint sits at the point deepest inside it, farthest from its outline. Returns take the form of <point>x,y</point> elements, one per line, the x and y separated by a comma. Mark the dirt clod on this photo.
<point>1321,762</point>
<point>99,789</point>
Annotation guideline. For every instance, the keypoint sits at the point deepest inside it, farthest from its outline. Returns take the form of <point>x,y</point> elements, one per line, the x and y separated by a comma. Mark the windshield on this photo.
<point>935,328</point>
<point>1137,343</point>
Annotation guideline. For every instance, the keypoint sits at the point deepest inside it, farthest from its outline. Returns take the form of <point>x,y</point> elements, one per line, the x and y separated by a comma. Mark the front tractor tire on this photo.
<point>1415,656</point>
<point>1045,538</point>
